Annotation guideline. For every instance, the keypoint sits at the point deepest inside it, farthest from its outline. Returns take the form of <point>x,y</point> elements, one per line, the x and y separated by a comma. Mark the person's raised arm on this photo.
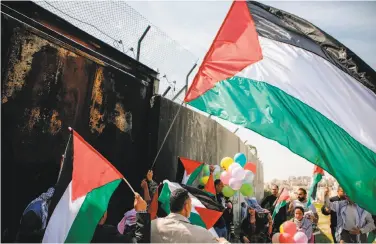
<point>143,226</point>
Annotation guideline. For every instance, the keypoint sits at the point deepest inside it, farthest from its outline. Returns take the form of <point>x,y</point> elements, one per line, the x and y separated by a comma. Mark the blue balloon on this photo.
<point>240,159</point>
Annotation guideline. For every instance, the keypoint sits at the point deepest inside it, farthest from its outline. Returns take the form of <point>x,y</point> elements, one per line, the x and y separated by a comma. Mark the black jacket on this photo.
<point>333,215</point>
<point>221,223</point>
<point>280,217</point>
<point>110,234</point>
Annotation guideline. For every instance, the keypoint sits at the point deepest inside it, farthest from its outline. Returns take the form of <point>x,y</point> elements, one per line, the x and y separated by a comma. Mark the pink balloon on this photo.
<point>286,238</point>
<point>238,173</point>
<point>289,227</point>
<point>232,167</point>
<point>300,237</point>
<point>235,184</point>
<point>275,238</point>
<point>225,177</point>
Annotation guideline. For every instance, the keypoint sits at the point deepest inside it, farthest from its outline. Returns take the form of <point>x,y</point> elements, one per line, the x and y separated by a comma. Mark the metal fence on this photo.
<point>119,25</point>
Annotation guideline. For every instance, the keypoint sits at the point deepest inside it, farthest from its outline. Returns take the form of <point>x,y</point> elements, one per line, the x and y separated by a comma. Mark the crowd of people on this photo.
<point>349,222</point>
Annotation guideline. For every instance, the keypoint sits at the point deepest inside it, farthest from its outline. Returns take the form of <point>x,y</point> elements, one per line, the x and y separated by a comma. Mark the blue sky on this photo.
<point>194,24</point>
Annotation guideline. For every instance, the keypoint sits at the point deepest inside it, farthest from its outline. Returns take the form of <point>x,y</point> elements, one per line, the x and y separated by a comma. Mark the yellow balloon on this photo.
<point>204,180</point>
<point>281,229</point>
<point>226,162</point>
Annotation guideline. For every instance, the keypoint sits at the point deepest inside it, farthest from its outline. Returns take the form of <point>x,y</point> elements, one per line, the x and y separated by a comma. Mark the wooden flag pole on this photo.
<point>130,186</point>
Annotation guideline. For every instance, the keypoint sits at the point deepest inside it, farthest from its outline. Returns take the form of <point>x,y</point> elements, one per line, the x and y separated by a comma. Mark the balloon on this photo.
<point>206,170</point>
<point>204,180</point>
<point>235,184</point>
<point>225,177</point>
<point>300,237</point>
<point>238,173</point>
<point>281,229</point>
<point>246,190</point>
<point>286,238</point>
<point>248,178</point>
<point>250,167</point>
<point>217,175</point>
<point>226,162</point>
<point>275,238</point>
<point>240,159</point>
<point>232,167</point>
<point>227,191</point>
<point>289,227</point>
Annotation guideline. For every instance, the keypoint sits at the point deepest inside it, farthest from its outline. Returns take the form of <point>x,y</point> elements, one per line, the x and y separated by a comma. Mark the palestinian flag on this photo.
<point>192,170</point>
<point>287,80</point>
<point>281,201</point>
<point>82,193</point>
<point>209,187</point>
<point>318,173</point>
<point>205,210</point>
<point>153,207</point>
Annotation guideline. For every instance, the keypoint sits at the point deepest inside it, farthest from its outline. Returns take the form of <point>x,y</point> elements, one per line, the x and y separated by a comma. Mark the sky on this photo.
<point>194,25</point>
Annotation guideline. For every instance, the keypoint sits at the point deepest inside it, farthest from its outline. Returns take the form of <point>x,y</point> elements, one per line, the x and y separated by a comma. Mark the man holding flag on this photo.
<point>269,203</point>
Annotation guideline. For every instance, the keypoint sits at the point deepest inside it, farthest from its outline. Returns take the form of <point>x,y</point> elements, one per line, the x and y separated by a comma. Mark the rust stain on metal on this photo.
<point>33,118</point>
<point>55,123</point>
<point>123,120</point>
<point>96,118</point>
<point>21,59</point>
<point>63,53</point>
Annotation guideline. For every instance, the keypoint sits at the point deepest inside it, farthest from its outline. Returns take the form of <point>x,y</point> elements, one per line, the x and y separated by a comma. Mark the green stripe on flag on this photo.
<point>164,198</point>
<point>316,179</point>
<point>195,219</point>
<point>276,115</point>
<point>278,207</point>
<point>90,213</point>
<point>194,175</point>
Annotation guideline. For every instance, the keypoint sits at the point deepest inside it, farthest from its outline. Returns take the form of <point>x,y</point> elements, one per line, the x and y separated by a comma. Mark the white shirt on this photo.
<point>350,218</point>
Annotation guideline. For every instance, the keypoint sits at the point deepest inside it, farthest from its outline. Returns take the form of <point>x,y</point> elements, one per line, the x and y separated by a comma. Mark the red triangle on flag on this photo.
<point>90,169</point>
<point>189,165</point>
<point>235,47</point>
<point>283,196</point>
<point>153,208</point>
<point>208,216</point>
<point>318,170</point>
<point>209,187</point>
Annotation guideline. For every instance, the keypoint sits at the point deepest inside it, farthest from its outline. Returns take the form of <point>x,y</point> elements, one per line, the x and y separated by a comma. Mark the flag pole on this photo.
<point>129,186</point>
<point>65,153</point>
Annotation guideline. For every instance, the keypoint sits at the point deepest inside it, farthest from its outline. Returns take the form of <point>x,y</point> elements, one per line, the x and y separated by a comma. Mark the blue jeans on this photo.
<point>221,232</point>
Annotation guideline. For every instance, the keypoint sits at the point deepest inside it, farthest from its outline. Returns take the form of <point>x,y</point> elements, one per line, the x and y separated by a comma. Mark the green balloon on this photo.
<point>246,190</point>
<point>206,170</point>
<point>217,175</point>
<point>227,191</point>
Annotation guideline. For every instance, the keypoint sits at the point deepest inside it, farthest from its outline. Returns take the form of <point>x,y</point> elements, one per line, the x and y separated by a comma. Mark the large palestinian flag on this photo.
<point>287,80</point>
<point>205,211</point>
<point>81,195</point>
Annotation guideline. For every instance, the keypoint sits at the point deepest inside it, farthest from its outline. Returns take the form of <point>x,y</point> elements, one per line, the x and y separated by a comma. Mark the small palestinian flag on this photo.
<point>192,170</point>
<point>281,201</point>
<point>286,79</point>
<point>82,193</point>
<point>205,210</point>
<point>209,187</point>
<point>318,173</point>
<point>153,207</point>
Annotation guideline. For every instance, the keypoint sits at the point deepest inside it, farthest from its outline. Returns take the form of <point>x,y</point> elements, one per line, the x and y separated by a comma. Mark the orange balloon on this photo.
<point>250,167</point>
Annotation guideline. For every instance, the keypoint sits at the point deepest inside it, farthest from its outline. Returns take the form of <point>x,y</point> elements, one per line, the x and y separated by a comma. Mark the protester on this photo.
<point>109,234</point>
<point>228,215</point>
<point>243,211</point>
<point>302,201</point>
<point>353,222</point>
<point>34,218</point>
<point>176,228</point>
<point>333,215</point>
<point>303,224</point>
<point>220,225</point>
<point>268,203</point>
<point>257,226</point>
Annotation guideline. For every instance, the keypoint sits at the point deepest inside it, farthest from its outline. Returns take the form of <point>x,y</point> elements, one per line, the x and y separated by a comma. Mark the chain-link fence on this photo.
<point>119,25</point>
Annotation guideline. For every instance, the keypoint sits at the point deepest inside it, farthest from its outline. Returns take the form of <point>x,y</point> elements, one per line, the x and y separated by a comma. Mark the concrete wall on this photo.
<point>197,137</point>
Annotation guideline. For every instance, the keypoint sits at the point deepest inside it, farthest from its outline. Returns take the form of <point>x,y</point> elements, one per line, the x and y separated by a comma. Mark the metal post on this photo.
<point>166,91</point>
<point>186,79</point>
<point>139,42</point>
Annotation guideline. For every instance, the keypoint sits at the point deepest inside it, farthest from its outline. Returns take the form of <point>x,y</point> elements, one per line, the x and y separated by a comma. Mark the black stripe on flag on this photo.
<point>278,25</point>
<point>208,201</point>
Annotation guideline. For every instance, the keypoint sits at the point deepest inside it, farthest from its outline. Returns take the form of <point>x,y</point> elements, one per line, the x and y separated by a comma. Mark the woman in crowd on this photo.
<point>303,224</point>
<point>257,226</point>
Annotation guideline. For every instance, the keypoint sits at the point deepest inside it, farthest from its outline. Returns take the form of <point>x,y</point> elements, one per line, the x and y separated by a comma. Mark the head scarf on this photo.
<point>252,203</point>
<point>129,219</point>
<point>43,200</point>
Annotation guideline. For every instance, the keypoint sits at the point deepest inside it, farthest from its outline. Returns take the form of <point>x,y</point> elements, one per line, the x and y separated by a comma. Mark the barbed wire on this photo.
<point>119,25</point>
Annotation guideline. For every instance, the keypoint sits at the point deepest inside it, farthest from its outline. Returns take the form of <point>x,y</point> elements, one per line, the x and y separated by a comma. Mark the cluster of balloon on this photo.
<point>288,234</point>
<point>235,176</point>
